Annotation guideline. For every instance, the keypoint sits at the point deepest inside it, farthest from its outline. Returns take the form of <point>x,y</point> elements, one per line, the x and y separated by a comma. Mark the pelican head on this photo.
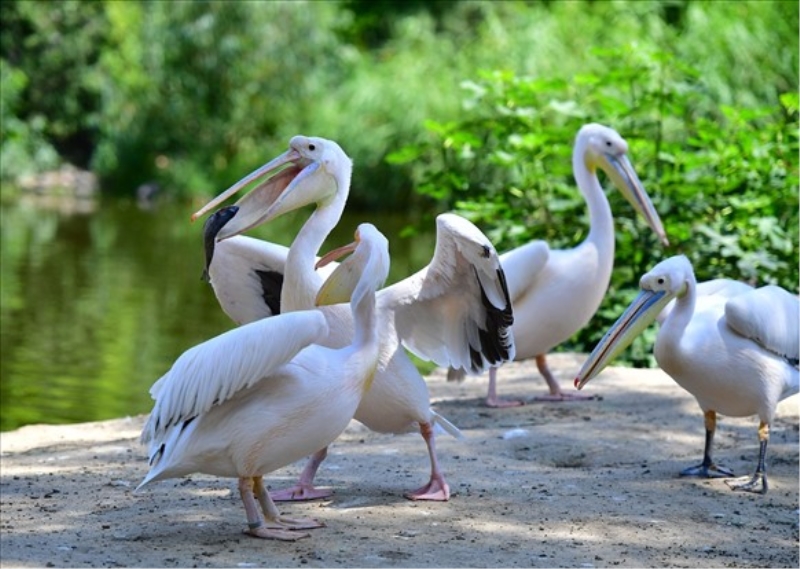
<point>667,280</point>
<point>604,148</point>
<point>362,273</point>
<point>313,170</point>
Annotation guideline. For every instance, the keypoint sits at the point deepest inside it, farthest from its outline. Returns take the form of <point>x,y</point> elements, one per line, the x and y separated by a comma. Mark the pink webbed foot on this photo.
<point>304,489</point>
<point>273,525</point>
<point>436,490</point>
<point>556,395</point>
<point>299,493</point>
<point>279,534</point>
<point>284,529</point>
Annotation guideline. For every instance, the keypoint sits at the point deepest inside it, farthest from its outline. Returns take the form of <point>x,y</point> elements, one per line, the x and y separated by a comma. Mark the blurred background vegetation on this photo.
<point>458,105</point>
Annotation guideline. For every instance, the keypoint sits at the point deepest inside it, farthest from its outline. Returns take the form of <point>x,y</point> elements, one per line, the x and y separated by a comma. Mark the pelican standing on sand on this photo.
<point>266,394</point>
<point>734,348</point>
<point>456,311</point>
<point>556,292</point>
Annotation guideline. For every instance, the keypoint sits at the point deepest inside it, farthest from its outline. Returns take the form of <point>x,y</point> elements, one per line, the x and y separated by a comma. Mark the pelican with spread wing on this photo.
<point>456,311</point>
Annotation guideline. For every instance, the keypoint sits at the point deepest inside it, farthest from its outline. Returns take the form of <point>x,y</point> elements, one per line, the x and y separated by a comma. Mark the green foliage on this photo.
<point>193,94</point>
<point>724,179</point>
<point>56,45</point>
<point>194,88</point>
<point>24,148</point>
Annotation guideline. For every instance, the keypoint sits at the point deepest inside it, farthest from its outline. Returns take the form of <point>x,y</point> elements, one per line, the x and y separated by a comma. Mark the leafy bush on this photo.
<point>193,94</point>
<point>24,148</point>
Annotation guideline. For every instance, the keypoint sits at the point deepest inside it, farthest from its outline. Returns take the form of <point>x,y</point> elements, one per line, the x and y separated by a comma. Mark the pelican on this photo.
<point>456,311</point>
<point>734,348</point>
<point>556,292</point>
<point>265,394</point>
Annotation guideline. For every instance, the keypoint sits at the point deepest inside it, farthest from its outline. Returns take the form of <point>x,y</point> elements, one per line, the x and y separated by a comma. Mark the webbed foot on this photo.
<point>707,471</point>
<point>300,492</point>
<point>756,484</point>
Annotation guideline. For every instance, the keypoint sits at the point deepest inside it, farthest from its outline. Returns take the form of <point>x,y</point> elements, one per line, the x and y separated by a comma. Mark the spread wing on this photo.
<point>456,311</point>
<point>247,275</point>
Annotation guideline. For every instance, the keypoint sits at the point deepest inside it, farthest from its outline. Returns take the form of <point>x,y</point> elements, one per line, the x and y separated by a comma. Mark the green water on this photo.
<point>98,299</point>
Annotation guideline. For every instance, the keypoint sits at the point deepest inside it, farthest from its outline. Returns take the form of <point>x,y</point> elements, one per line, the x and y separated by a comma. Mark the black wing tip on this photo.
<point>495,337</point>
<point>157,455</point>
<point>271,288</point>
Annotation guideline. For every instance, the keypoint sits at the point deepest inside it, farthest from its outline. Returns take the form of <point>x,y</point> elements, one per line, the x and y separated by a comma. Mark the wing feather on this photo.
<point>246,275</point>
<point>456,311</point>
<point>770,316</point>
<point>211,372</point>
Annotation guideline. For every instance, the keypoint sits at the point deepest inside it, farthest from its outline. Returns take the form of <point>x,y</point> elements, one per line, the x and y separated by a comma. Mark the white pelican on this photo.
<point>556,292</point>
<point>266,394</point>
<point>456,311</point>
<point>735,349</point>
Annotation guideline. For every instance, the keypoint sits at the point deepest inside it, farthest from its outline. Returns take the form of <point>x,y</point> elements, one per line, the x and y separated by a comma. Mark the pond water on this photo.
<point>97,299</point>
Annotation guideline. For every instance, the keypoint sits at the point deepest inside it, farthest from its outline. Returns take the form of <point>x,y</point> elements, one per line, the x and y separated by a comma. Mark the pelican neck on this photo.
<point>681,314</point>
<point>601,222</point>
<point>300,279</point>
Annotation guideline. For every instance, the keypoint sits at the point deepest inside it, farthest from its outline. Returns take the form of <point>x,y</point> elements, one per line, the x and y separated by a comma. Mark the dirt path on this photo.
<point>584,484</point>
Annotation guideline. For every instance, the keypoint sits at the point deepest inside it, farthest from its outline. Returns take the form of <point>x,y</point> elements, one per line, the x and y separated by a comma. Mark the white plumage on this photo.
<point>734,348</point>
<point>556,292</point>
<point>455,311</point>
<point>267,393</point>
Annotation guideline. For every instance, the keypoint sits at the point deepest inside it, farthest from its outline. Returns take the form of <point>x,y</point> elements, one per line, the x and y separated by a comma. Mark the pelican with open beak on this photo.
<point>455,312</point>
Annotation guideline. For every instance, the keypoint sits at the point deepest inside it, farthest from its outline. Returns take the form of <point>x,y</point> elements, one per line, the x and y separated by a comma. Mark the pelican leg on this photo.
<point>304,489</point>
<point>707,468</point>
<point>255,523</point>
<point>758,482</point>
<point>555,389</point>
<point>492,400</point>
<point>275,526</point>
<point>436,489</point>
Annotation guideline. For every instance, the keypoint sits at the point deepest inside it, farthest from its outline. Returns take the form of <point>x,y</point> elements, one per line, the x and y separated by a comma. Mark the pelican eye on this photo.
<point>312,147</point>
<point>608,143</point>
<point>660,280</point>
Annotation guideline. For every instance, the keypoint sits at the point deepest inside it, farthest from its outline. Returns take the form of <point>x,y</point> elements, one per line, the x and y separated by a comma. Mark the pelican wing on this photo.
<point>522,265</point>
<point>769,316</point>
<point>210,373</point>
<point>457,311</point>
<point>247,277</point>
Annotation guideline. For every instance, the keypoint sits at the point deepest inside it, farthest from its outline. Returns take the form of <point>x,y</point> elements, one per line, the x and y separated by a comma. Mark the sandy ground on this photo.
<point>581,484</point>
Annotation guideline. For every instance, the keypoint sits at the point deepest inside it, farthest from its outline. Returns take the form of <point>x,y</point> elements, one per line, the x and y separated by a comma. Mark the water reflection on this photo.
<point>96,303</point>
